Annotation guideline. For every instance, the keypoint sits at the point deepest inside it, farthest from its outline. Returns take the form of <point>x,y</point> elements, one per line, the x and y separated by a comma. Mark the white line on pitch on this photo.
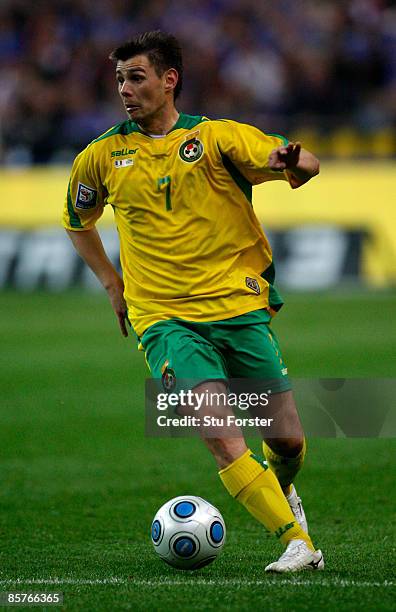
<point>341,582</point>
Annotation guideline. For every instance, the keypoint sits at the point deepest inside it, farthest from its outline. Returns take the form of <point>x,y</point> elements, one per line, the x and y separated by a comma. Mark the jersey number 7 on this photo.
<point>165,184</point>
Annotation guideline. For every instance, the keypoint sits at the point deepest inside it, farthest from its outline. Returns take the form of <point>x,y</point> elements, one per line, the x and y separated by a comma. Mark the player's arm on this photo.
<point>300,165</point>
<point>264,157</point>
<point>90,248</point>
<point>84,204</point>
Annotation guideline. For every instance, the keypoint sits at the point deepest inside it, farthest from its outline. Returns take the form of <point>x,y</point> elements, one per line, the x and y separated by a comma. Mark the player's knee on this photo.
<point>288,447</point>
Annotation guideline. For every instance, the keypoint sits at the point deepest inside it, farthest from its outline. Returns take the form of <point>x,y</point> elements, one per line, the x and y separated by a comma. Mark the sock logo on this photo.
<point>259,460</point>
<point>281,530</point>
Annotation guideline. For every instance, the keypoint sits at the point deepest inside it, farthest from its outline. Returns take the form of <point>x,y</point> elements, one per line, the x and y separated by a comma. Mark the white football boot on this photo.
<point>296,507</point>
<point>297,557</point>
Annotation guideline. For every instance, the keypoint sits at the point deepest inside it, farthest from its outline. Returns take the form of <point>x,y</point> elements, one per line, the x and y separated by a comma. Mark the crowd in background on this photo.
<point>281,65</point>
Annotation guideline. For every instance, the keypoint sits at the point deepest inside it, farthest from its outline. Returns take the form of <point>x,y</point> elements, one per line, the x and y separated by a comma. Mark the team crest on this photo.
<point>191,150</point>
<point>169,379</point>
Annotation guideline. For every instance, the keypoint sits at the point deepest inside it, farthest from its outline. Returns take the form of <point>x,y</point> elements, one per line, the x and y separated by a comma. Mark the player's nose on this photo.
<point>125,91</point>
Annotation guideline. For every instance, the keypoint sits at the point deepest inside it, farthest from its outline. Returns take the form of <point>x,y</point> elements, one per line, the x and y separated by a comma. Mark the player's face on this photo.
<point>142,91</point>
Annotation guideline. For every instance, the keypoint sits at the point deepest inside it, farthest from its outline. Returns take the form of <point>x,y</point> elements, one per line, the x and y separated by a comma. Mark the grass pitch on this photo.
<point>80,483</point>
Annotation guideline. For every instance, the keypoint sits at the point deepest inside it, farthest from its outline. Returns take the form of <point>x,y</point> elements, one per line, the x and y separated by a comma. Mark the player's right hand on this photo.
<point>118,304</point>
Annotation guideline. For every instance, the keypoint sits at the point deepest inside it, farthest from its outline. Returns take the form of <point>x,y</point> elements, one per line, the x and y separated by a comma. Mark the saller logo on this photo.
<point>123,152</point>
<point>252,284</point>
<point>191,150</point>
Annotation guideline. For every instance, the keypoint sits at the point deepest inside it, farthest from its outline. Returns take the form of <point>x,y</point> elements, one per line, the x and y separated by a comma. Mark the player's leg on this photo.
<point>249,480</point>
<point>173,351</point>
<point>254,354</point>
<point>246,476</point>
<point>285,454</point>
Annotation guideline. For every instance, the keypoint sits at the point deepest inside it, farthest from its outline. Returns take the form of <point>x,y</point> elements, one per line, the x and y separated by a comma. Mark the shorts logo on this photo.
<point>252,284</point>
<point>169,379</point>
<point>191,150</point>
<point>86,197</point>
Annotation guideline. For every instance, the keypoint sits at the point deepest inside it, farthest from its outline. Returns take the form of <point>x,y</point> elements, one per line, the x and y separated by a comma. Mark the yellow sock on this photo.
<point>249,480</point>
<point>284,468</point>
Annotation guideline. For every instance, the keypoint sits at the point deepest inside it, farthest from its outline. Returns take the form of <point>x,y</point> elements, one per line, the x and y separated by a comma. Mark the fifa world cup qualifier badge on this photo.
<point>86,197</point>
<point>191,150</point>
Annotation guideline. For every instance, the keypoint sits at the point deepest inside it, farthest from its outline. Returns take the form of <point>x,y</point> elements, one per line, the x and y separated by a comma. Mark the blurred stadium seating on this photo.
<point>321,70</point>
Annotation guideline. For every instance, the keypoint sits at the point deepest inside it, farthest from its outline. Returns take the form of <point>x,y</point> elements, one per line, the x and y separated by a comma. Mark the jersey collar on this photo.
<point>184,121</point>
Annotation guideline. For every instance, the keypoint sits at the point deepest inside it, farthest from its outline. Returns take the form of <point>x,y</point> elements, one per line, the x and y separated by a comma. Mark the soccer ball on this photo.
<point>188,532</point>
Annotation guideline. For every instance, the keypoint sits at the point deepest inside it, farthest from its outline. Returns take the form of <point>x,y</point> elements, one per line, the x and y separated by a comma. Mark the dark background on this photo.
<point>306,67</point>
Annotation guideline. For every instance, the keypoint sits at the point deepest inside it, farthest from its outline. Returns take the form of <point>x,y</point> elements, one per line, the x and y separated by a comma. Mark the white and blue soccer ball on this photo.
<point>188,532</point>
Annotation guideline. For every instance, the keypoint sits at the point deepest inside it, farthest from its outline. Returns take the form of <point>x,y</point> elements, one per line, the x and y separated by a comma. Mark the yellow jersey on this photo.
<point>191,246</point>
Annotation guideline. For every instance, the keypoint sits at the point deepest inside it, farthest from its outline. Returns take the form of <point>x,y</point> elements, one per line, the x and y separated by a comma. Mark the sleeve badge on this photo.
<point>86,197</point>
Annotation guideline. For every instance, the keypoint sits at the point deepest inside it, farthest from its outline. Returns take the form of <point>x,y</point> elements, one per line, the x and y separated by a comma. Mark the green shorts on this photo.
<point>242,347</point>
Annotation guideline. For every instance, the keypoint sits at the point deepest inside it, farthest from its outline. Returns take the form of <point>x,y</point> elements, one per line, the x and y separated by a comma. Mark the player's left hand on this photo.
<point>283,158</point>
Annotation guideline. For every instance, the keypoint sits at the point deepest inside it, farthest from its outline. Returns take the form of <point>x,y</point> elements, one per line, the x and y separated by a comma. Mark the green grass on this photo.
<point>79,481</point>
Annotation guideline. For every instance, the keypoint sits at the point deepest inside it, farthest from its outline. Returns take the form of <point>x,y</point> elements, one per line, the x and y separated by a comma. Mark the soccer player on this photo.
<point>197,268</point>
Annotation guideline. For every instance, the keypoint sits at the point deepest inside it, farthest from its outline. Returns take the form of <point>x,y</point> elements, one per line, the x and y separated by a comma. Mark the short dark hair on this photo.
<point>162,49</point>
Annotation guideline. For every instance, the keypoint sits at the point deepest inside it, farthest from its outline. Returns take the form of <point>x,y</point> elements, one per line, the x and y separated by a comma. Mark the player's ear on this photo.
<point>171,77</point>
